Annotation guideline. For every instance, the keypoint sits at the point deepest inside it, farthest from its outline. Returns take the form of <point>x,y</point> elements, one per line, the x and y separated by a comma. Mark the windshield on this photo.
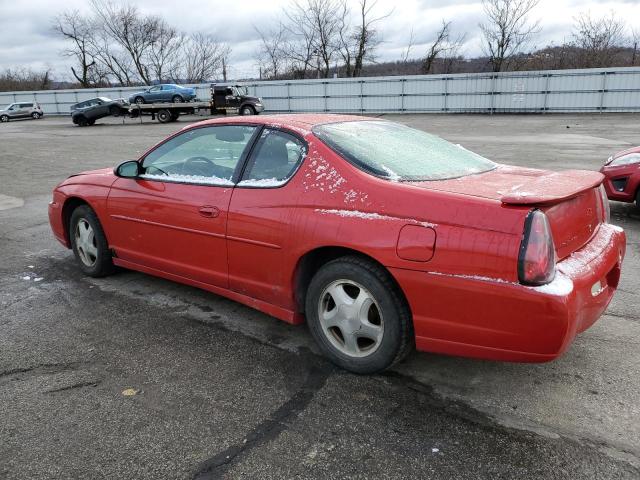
<point>400,153</point>
<point>105,99</point>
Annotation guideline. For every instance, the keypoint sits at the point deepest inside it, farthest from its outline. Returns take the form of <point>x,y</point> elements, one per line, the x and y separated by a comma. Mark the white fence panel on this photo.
<point>590,90</point>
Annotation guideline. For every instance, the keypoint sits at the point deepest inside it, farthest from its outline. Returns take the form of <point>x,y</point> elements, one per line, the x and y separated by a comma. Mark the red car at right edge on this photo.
<point>622,176</point>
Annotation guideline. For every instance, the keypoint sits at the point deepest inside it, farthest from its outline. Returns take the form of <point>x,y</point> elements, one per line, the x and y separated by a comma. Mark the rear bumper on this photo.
<point>499,320</point>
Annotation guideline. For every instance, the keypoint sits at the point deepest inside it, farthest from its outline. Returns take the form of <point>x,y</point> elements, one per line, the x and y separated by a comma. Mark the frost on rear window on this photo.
<point>400,153</point>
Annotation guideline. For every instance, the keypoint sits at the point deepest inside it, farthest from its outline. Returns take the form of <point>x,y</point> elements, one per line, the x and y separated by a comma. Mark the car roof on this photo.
<point>627,152</point>
<point>298,121</point>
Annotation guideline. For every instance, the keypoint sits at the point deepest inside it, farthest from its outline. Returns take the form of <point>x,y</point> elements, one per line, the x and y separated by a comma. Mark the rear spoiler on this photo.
<point>552,188</point>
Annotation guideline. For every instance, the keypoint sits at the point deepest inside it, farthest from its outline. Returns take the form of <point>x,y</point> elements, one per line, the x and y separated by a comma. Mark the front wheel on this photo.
<point>139,100</point>
<point>4,118</point>
<point>89,243</point>
<point>247,110</point>
<point>357,315</point>
<point>35,115</point>
<point>177,99</point>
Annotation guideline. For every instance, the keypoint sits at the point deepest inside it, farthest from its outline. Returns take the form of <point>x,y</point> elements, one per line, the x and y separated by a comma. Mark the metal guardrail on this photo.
<point>589,90</point>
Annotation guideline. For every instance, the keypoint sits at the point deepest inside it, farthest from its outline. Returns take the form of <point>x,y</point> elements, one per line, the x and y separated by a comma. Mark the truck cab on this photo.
<point>234,97</point>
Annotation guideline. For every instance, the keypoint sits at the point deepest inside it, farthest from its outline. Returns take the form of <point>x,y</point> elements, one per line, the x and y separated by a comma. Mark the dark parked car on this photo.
<point>227,97</point>
<point>87,112</point>
<point>164,93</point>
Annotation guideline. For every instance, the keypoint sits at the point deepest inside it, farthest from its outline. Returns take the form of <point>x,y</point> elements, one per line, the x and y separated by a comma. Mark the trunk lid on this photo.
<point>570,199</point>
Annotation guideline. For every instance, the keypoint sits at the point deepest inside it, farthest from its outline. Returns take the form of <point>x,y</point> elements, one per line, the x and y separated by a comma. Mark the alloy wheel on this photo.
<point>85,240</point>
<point>350,318</point>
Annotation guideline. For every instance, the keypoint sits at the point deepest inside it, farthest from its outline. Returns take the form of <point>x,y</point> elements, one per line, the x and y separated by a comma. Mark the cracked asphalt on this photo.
<point>132,376</point>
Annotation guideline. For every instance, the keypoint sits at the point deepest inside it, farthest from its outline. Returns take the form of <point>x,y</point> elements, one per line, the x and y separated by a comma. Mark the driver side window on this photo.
<point>207,155</point>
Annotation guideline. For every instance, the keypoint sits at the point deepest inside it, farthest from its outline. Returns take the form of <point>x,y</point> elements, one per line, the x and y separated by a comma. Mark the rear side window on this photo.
<point>274,160</point>
<point>400,153</point>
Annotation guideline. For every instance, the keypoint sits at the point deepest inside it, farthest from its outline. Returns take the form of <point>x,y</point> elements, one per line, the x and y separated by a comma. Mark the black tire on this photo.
<point>164,116</point>
<point>82,121</point>
<point>102,264</point>
<point>139,100</point>
<point>4,118</point>
<point>394,315</point>
<point>91,121</point>
<point>177,99</point>
<point>175,116</point>
<point>247,110</point>
<point>35,115</point>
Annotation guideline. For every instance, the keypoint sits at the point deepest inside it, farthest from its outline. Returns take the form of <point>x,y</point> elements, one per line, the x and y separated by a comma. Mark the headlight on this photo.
<point>625,160</point>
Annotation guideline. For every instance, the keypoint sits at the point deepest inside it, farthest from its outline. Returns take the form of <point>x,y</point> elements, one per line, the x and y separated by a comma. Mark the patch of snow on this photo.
<point>38,279</point>
<point>560,286</point>
<point>30,266</point>
<point>198,179</point>
<point>391,175</point>
<point>264,182</point>
<point>435,450</point>
<point>373,216</point>
<point>26,278</point>
<point>616,228</point>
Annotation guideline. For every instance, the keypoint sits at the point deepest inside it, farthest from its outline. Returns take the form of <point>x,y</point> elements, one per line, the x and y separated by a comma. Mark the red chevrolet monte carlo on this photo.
<point>382,237</point>
<point>622,176</point>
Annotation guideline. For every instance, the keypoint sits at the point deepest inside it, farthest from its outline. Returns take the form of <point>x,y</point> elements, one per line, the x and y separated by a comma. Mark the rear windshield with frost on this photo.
<point>400,153</point>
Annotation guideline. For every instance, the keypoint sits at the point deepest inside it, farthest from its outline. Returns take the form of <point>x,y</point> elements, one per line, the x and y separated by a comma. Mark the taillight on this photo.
<point>604,203</point>
<point>537,258</point>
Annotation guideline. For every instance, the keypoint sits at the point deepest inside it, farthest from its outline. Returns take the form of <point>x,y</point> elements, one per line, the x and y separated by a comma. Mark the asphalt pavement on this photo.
<point>131,376</point>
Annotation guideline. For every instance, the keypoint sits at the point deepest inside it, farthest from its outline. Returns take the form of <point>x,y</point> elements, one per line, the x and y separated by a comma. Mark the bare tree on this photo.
<point>599,39</point>
<point>635,38</point>
<point>507,30</point>
<point>271,55</point>
<point>406,53</point>
<point>203,57</point>
<point>318,22</point>
<point>366,36</point>
<point>133,32</point>
<point>76,28</point>
<point>165,54</point>
<point>438,46</point>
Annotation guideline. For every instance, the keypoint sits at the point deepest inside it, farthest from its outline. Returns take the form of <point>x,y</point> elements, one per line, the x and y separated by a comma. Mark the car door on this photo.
<point>155,94</point>
<point>14,110</point>
<point>259,217</point>
<point>167,92</point>
<point>173,217</point>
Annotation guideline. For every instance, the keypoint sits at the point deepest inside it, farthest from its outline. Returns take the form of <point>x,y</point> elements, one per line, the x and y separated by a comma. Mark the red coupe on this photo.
<point>383,238</point>
<point>622,176</point>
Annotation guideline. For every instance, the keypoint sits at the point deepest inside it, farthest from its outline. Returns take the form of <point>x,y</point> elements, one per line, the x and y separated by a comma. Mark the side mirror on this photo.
<point>128,169</point>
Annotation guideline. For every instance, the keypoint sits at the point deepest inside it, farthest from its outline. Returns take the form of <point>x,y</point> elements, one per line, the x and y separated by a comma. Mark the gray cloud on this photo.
<point>26,38</point>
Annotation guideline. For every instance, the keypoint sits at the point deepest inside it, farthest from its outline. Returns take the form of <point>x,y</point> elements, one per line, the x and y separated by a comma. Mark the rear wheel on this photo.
<point>89,243</point>
<point>164,116</point>
<point>91,121</point>
<point>177,99</point>
<point>357,315</point>
<point>139,100</point>
<point>4,118</point>
<point>35,115</point>
<point>82,121</point>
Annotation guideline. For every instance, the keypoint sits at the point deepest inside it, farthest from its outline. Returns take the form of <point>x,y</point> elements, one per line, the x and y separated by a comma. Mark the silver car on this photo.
<point>21,110</point>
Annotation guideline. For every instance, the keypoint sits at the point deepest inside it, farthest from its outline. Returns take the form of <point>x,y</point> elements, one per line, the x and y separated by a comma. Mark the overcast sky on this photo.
<point>26,39</point>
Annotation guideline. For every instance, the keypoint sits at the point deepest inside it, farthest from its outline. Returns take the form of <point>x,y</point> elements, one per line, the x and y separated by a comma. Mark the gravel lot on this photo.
<point>222,391</point>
